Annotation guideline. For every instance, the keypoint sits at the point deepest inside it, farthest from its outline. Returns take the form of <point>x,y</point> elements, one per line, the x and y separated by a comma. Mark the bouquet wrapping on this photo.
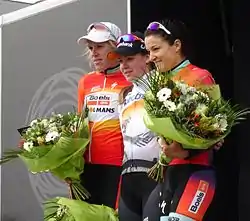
<point>66,209</point>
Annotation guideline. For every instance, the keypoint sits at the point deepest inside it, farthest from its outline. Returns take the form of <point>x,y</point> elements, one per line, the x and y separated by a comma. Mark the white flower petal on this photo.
<point>170,105</point>
<point>28,146</point>
<point>164,94</point>
<point>51,136</point>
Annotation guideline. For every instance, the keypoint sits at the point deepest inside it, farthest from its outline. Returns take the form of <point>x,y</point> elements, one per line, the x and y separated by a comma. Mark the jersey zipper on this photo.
<point>103,88</point>
<point>132,146</point>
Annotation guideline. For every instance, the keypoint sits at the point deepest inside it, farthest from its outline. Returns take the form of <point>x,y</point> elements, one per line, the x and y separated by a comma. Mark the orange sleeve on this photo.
<point>81,94</point>
<point>206,77</point>
<point>202,77</point>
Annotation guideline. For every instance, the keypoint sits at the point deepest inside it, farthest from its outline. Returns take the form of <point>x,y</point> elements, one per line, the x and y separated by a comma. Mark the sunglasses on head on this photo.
<point>100,27</point>
<point>154,26</point>
<point>128,38</point>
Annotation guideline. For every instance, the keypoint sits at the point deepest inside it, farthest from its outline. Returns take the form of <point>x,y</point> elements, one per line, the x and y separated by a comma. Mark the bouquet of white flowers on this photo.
<point>194,115</point>
<point>56,144</point>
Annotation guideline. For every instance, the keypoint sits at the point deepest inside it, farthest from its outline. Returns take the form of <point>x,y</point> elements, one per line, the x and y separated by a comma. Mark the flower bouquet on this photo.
<point>190,113</point>
<point>62,208</point>
<point>55,144</point>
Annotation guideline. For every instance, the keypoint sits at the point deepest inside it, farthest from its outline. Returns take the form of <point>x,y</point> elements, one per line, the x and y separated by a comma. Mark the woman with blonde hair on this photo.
<point>98,91</point>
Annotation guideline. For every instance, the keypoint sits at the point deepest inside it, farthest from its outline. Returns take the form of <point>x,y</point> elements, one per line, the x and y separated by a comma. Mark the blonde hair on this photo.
<point>87,54</point>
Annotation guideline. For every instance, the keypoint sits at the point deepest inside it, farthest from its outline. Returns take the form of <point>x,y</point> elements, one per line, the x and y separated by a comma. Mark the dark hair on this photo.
<point>178,31</point>
<point>141,36</point>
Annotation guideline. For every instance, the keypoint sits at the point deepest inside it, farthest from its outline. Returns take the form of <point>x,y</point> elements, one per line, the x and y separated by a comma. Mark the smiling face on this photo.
<point>133,66</point>
<point>98,55</point>
<point>164,55</point>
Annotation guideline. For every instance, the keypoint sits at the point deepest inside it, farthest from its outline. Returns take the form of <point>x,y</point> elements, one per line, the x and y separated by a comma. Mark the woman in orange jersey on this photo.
<point>190,181</point>
<point>98,91</point>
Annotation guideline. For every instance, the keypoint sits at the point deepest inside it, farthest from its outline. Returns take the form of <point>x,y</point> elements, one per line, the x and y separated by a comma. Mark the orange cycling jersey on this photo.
<point>99,92</point>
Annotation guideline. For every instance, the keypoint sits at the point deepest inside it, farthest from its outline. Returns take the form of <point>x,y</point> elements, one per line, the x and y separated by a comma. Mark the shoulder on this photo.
<point>202,75</point>
<point>87,76</point>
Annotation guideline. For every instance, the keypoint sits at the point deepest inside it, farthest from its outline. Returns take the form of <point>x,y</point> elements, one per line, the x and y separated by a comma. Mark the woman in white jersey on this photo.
<point>141,149</point>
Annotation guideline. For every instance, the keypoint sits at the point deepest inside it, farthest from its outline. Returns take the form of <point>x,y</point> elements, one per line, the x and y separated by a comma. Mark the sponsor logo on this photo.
<point>99,100</point>
<point>199,197</point>
<point>100,97</point>
<point>143,46</point>
<point>125,44</point>
<point>173,219</point>
<point>138,96</point>
<point>102,109</point>
<point>96,88</point>
<point>113,85</point>
<point>163,205</point>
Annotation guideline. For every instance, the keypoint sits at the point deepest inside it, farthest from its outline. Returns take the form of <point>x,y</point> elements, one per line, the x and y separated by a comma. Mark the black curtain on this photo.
<point>241,36</point>
<point>210,24</point>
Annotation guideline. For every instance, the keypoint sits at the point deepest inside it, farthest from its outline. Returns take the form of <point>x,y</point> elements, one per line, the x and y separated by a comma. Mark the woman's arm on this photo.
<point>175,149</point>
<point>81,95</point>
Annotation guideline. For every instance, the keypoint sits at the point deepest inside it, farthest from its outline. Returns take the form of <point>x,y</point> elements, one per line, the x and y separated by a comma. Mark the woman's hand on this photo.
<point>20,143</point>
<point>173,150</point>
<point>218,145</point>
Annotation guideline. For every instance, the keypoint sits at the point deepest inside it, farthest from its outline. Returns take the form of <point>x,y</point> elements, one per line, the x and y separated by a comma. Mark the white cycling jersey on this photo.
<point>139,142</point>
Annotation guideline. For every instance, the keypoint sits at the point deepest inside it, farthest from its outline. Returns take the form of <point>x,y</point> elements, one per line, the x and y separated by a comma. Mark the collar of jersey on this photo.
<point>178,67</point>
<point>112,70</point>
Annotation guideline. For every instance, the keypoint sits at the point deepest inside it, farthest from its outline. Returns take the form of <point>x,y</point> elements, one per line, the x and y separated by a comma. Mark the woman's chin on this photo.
<point>129,78</point>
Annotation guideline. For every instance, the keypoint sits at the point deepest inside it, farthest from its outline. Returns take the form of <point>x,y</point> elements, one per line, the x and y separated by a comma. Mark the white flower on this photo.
<point>170,105</point>
<point>60,211</point>
<point>45,122</point>
<point>164,94</point>
<point>73,127</point>
<point>180,106</point>
<point>200,93</point>
<point>191,89</point>
<point>53,129</point>
<point>34,122</point>
<point>221,122</point>
<point>188,98</point>
<point>28,146</point>
<point>182,87</point>
<point>194,96</point>
<point>51,136</point>
<point>201,109</point>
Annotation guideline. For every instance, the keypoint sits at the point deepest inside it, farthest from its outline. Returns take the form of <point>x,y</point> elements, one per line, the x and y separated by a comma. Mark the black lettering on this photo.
<point>138,96</point>
<point>101,97</point>
<point>173,219</point>
<point>104,110</point>
<point>104,97</point>
<point>92,97</point>
<point>196,204</point>
<point>193,208</point>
